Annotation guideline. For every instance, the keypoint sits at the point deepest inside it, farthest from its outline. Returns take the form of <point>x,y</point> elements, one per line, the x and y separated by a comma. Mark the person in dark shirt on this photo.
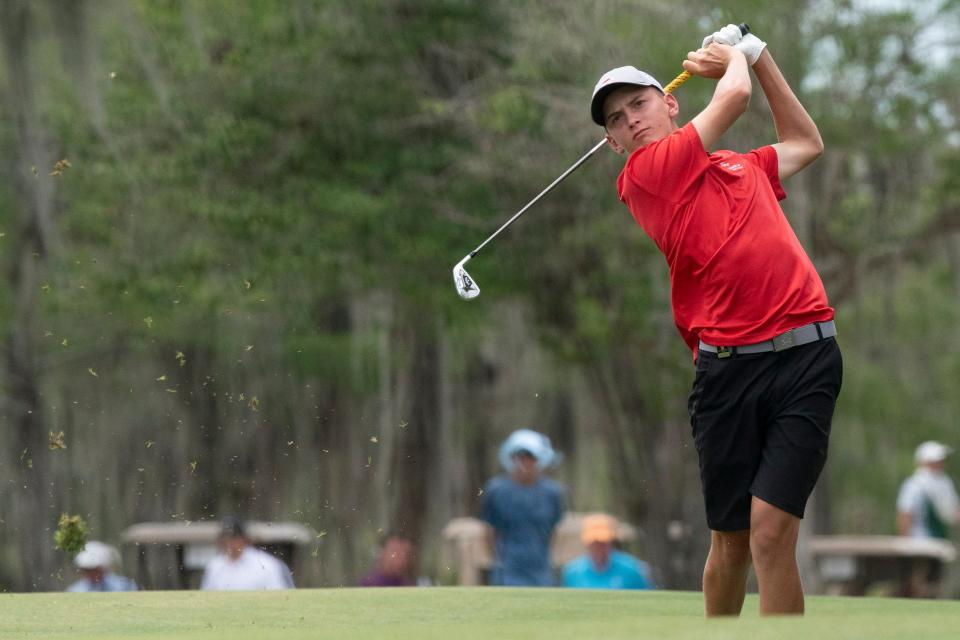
<point>394,564</point>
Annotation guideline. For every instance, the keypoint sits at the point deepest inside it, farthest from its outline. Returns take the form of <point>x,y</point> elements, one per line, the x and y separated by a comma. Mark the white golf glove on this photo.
<point>729,35</point>
<point>751,47</point>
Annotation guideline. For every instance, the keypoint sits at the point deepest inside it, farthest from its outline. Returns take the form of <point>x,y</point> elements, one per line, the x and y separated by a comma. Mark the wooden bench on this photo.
<point>856,565</point>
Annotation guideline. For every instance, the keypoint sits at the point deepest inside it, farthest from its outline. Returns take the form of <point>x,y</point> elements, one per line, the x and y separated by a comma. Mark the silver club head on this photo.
<point>466,286</point>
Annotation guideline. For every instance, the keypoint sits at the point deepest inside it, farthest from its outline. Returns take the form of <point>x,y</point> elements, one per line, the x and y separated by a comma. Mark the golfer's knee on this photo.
<point>770,542</point>
<point>725,573</point>
<point>730,551</point>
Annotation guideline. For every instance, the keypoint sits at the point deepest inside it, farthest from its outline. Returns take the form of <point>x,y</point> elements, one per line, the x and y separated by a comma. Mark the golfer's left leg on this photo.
<point>773,546</point>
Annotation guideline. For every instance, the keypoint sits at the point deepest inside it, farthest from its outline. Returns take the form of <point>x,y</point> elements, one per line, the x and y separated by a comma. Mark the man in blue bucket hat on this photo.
<point>522,508</point>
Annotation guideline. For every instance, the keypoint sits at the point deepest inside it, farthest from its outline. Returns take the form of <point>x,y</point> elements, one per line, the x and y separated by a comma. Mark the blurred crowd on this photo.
<point>521,508</point>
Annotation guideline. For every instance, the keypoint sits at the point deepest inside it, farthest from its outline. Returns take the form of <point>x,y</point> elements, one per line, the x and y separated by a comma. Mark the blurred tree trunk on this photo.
<point>213,487</point>
<point>414,454</point>
<point>38,501</point>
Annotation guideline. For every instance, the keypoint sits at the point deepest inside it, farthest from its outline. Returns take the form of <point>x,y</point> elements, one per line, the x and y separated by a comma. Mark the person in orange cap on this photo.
<point>604,567</point>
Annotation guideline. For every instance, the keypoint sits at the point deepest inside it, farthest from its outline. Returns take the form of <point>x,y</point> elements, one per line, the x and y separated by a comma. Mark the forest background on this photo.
<point>227,229</point>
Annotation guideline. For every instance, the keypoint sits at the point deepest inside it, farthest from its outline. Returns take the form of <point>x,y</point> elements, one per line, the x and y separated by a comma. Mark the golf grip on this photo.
<point>685,75</point>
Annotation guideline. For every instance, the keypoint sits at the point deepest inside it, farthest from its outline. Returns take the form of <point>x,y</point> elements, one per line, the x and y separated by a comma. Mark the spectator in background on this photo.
<point>926,507</point>
<point>96,562</point>
<point>604,567</point>
<point>522,509</point>
<point>394,565</point>
<point>927,504</point>
<point>240,566</point>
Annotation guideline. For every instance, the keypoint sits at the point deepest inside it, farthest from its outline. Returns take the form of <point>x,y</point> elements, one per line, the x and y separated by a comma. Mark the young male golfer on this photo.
<point>746,299</point>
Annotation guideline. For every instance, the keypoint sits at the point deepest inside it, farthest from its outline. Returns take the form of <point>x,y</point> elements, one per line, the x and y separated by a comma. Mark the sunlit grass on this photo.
<point>456,613</point>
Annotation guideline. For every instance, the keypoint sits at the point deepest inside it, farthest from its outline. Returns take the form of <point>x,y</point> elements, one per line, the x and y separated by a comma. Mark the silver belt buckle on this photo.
<point>784,341</point>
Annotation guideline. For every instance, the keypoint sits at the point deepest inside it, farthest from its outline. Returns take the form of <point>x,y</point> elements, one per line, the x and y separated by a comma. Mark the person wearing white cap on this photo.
<point>522,509</point>
<point>927,503</point>
<point>746,299</point>
<point>96,562</point>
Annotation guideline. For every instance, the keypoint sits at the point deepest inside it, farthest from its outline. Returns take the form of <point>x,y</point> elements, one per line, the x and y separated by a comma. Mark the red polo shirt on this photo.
<point>738,274</point>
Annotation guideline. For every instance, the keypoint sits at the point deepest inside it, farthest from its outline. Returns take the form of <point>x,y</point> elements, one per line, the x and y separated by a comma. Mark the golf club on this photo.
<point>467,287</point>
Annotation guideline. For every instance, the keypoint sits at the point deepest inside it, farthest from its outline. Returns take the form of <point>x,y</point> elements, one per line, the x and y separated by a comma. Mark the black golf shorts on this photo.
<point>761,423</point>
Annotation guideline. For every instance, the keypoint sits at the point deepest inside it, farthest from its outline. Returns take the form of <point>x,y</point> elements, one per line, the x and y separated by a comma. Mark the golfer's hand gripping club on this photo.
<point>686,75</point>
<point>466,286</point>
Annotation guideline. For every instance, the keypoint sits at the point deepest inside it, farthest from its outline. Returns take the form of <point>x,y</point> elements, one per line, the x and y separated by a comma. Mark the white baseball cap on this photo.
<point>932,451</point>
<point>613,79</point>
<point>96,554</point>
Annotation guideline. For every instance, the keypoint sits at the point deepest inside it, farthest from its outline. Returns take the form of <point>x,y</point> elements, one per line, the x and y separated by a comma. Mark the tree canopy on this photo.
<point>228,228</point>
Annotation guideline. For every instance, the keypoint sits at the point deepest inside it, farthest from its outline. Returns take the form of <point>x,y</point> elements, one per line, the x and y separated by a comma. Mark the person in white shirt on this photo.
<point>927,504</point>
<point>926,508</point>
<point>240,566</point>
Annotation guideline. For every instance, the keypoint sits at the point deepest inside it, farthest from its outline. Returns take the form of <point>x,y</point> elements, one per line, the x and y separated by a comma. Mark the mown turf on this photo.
<point>455,614</point>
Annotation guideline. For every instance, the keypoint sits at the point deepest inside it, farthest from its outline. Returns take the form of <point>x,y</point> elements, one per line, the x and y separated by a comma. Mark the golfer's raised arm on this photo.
<point>799,142</point>
<point>732,95</point>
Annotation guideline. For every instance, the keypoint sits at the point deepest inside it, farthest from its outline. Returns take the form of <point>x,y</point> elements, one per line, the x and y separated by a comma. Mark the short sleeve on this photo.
<point>559,504</point>
<point>282,576</point>
<point>668,168</point>
<point>768,161</point>
<point>488,511</point>
<point>642,578</point>
<point>207,583</point>
<point>907,498</point>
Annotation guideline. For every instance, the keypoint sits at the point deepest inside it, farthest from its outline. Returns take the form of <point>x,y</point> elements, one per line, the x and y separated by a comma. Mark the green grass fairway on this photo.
<point>455,614</point>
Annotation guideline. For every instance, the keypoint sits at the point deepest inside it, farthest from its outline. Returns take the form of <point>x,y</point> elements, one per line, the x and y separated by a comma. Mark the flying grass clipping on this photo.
<point>71,534</point>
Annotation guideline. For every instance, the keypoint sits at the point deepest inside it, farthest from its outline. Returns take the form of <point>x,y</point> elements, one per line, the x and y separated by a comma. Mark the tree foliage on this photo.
<point>235,297</point>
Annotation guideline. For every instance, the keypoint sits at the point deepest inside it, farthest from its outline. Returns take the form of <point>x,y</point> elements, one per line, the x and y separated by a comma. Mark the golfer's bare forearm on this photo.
<point>730,98</point>
<point>735,86</point>
<point>799,142</point>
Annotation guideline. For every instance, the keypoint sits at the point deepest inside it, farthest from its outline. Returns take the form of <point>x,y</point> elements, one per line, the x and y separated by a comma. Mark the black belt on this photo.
<point>794,338</point>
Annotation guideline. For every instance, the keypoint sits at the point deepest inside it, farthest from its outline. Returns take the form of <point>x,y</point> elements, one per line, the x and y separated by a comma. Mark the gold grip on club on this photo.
<point>685,75</point>
<point>676,82</point>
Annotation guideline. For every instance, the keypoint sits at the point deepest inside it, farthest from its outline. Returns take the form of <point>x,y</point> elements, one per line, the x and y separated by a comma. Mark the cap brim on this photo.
<point>89,560</point>
<point>596,105</point>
